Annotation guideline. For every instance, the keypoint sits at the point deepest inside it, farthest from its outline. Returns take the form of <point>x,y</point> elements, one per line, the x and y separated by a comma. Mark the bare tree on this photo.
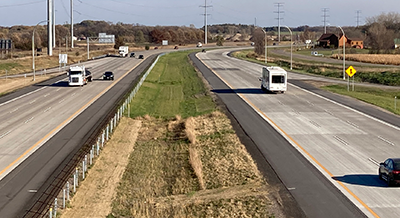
<point>380,38</point>
<point>259,41</point>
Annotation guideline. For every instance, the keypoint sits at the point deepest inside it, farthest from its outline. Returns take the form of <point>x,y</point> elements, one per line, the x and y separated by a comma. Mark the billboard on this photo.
<point>106,39</point>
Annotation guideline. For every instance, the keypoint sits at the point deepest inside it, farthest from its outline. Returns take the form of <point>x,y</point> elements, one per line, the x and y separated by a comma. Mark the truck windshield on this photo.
<point>278,79</point>
<point>75,72</point>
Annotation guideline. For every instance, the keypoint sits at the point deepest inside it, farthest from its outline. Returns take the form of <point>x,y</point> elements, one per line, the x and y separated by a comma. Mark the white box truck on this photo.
<point>123,51</point>
<point>78,76</point>
<point>274,79</point>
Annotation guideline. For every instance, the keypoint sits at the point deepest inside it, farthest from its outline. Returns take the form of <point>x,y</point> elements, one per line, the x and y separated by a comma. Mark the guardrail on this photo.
<point>57,193</point>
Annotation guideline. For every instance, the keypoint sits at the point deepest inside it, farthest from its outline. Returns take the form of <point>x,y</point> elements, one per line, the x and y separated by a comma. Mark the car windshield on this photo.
<point>108,73</point>
<point>396,164</point>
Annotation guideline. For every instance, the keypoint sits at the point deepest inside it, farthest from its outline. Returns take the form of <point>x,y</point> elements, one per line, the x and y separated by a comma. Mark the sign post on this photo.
<point>350,71</point>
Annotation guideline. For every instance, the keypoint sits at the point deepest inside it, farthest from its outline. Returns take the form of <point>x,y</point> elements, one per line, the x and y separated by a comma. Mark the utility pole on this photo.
<point>72,23</point>
<point>325,10</point>
<point>279,5</point>
<point>358,17</point>
<point>54,24</point>
<point>49,27</point>
<point>205,6</point>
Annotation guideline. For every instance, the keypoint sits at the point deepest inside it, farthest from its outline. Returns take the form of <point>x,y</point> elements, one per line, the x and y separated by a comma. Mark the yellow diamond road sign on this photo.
<point>351,71</point>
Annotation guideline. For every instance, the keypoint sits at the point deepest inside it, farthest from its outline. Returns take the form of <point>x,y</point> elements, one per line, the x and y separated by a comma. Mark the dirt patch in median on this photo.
<point>95,193</point>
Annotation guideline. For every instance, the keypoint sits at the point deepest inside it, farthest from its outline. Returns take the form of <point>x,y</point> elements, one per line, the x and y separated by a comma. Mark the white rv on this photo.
<point>274,79</point>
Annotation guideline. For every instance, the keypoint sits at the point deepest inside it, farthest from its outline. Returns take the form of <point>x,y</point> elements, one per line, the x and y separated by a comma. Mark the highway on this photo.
<point>326,150</point>
<point>43,125</point>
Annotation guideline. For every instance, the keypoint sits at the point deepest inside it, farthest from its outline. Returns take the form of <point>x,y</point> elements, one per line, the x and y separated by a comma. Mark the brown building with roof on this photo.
<point>353,42</point>
<point>328,40</point>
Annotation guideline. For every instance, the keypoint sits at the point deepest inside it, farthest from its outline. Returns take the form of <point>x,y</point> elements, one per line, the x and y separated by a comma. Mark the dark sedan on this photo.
<point>108,75</point>
<point>390,171</point>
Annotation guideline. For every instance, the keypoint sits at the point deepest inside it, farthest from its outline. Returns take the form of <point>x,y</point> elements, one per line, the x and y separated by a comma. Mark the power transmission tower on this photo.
<point>205,6</point>
<point>358,17</point>
<point>325,11</point>
<point>279,5</point>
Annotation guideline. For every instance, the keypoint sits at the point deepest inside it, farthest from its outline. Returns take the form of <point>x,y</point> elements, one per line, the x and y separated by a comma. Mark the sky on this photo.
<point>263,13</point>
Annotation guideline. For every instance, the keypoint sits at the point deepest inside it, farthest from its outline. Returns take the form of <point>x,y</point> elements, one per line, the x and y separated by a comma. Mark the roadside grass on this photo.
<point>173,88</point>
<point>188,161</point>
<point>383,98</point>
<point>8,66</point>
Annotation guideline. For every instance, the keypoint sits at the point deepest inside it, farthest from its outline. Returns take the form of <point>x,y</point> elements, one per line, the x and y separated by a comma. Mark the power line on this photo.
<point>147,6</point>
<point>205,6</point>
<point>279,5</point>
<point>21,4</point>
<point>325,10</point>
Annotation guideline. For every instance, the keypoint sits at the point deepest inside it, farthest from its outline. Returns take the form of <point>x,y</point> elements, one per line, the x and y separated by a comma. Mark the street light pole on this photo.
<point>265,42</point>
<point>291,47</point>
<point>33,48</point>
<point>344,53</point>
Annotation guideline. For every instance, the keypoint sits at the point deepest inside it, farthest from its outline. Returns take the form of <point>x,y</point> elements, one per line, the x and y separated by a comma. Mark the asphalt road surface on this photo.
<point>328,148</point>
<point>44,125</point>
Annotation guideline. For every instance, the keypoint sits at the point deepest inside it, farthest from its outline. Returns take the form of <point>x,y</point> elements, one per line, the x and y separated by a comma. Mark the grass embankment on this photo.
<point>22,60</point>
<point>187,161</point>
<point>383,98</point>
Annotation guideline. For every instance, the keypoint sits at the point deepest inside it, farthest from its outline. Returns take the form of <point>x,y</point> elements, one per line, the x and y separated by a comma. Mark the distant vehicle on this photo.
<point>79,76</point>
<point>203,50</point>
<point>141,57</point>
<point>176,47</point>
<point>252,44</point>
<point>132,55</point>
<point>156,47</point>
<point>199,44</point>
<point>273,79</point>
<point>123,51</point>
<point>108,75</point>
<point>390,171</point>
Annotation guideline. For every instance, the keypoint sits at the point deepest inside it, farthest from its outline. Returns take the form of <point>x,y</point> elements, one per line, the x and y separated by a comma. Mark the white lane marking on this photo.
<point>385,140</point>
<point>62,100</point>
<point>291,189</point>
<point>14,110</point>
<point>374,161</point>
<point>32,190</point>
<point>296,112</point>
<point>73,94</point>
<point>46,95</point>
<point>47,109</point>
<point>329,112</point>
<point>348,108</point>
<point>315,123</point>
<point>58,89</point>
<point>33,101</point>
<point>280,103</point>
<point>340,140</point>
<point>29,120</point>
<point>30,93</point>
<point>4,134</point>
<point>353,124</point>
